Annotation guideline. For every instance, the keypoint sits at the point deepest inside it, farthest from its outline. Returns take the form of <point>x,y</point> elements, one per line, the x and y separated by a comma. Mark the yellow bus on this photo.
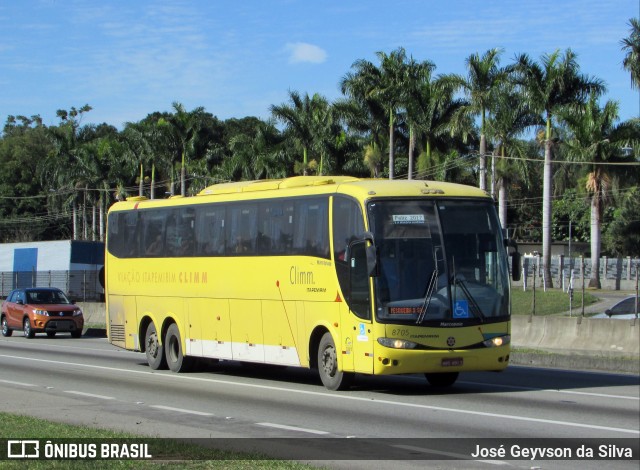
<point>334,273</point>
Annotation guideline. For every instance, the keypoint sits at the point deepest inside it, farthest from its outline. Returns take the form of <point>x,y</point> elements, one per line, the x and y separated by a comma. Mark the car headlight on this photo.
<point>397,343</point>
<point>77,312</point>
<point>37,311</point>
<point>497,341</point>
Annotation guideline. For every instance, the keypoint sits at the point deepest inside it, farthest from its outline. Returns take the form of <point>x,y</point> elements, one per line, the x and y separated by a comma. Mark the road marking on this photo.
<point>551,390</point>
<point>448,454</point>
<point>92,395</point>
<point>11,382</point>
<point>180,410</point>
<point>335,396</point>
<point>291,428</point>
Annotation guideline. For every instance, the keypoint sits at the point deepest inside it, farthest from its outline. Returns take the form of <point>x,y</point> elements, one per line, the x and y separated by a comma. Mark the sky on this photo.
<point>130,58</point>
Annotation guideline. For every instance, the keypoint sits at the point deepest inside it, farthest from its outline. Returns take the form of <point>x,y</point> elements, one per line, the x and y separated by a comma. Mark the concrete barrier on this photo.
<point>94,313</point>
<point>577,335</point>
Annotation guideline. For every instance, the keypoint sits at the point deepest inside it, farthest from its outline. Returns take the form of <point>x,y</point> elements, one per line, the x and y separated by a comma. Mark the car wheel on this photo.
<point>6,331</point>
<point>51,334</point>
<point>176,360</point>
<point>76,333</point>
<point>154,349</point>
<point>26,329</point>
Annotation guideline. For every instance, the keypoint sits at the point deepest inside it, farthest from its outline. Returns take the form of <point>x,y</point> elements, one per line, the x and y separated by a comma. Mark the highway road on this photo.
<point>88,381</point>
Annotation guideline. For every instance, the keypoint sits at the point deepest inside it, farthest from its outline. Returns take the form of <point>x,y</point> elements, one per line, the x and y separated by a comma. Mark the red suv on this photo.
<point>40,309</point>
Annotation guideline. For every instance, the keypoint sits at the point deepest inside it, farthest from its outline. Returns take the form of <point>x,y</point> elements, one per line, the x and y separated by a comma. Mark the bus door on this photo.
<point>359,326</point>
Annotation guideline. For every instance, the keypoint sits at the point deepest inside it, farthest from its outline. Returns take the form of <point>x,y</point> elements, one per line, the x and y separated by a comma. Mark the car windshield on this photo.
<point>439,261</point>
<point>627,306</point>
<point>46,297</point>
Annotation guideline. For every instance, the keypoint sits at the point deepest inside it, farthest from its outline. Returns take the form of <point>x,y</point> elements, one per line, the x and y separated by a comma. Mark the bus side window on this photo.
<point>210,236</point>
<point>311,235</point>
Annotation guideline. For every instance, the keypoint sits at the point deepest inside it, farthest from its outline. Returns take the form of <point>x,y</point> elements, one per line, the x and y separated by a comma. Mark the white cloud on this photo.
<point>304,52</point>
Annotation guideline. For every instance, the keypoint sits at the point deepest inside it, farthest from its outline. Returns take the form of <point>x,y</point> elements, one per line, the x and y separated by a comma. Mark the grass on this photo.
<point>551,302</point>
<point>178,454</point>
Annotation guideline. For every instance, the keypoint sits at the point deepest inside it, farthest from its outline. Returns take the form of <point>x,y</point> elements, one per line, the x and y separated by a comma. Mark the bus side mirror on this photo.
<point>372,254</point>
<point>515,259</point>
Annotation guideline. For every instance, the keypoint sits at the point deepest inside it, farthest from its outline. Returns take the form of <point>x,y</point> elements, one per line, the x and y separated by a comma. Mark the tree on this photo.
<point>597,140</point>
<point>510,119</point>
<point>631,45</point>
<point>435,115</point>
<point>483,79</point>
<point>548,87</point>
<point>382,84</point>
<point>299,119</point>
<point>185,126</point>
<point>256,154</point>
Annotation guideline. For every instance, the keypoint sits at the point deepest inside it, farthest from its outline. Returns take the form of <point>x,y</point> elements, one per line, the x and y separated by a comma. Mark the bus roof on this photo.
<point>348,184</point>
<point>361,189</point>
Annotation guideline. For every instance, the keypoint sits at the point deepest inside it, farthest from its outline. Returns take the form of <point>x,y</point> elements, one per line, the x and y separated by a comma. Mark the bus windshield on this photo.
<point>440,261</point>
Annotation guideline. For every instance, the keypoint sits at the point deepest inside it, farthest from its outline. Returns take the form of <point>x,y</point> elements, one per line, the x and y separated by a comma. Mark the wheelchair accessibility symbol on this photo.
<point>461,309</point>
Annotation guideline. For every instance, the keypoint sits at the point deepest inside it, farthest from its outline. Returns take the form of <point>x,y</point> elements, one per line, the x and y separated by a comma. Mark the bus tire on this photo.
<point>154,349</point>
<point>176,360</point>
<point>442,379</point>
<point>332,377</point>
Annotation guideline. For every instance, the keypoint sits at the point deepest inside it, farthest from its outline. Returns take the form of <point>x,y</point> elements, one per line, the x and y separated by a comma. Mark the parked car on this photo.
<point>40,309</point>
<point>623,310</point>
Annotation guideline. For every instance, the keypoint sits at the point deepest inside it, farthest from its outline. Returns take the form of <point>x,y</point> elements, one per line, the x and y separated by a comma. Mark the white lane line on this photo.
<point>11,382</point>
<point>448,454</point>
<point>551,390</point>
<point>335,396</point>
<point>291,428</point>
<point>91,395</point>
<point>180,410</point>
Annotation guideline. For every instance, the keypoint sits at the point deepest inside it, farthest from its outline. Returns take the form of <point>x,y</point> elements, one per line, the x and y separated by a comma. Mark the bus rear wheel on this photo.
<point>442,379</point>
<point>154,349</point>
<point>331,376</point>
<point>176,360</point>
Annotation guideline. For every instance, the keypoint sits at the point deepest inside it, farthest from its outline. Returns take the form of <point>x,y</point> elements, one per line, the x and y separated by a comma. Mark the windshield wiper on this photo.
<point>470,298</point>
<point>427,298</point>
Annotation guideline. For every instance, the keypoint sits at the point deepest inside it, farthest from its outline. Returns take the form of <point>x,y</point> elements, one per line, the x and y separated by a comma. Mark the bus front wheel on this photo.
<point>176,360</point>
<point>442,379</point>
<point>154,349</point>
<point>331,376</point>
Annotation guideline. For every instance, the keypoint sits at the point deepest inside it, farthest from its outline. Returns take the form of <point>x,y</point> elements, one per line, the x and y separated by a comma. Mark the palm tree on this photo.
<point>510,119</point>
<point>383,84</point>
<point>483,79</point>
<point>300,118</point>
<point>364,121</point>
<point>435,115</point>
<point>548,87</point>
<point>257,155</point>
<point>597,139</point>
<point>185,126</point>
<point>631,46</point>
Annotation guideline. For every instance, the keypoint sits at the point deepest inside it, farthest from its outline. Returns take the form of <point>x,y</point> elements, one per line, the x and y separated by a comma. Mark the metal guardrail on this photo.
<point>81,286</point>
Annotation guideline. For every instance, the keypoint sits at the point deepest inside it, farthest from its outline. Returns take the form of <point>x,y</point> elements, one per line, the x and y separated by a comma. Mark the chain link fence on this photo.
<point>81,286</point>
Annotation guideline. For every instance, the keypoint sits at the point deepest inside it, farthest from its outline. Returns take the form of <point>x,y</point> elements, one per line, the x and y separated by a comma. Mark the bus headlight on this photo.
<point>497,341</point>
<point>397,343</point>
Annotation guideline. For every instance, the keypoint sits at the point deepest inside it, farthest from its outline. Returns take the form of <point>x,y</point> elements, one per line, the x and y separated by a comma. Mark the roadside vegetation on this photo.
<point>182,455</point>
<point>551,302</point>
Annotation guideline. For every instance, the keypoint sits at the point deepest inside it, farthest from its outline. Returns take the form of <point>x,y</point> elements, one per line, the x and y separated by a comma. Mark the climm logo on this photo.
<point>300,277</point>
<point>193,277</point>
<point>164,277</point>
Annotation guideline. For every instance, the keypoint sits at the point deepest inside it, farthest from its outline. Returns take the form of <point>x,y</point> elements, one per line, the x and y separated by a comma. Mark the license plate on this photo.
<point>451,362</point>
